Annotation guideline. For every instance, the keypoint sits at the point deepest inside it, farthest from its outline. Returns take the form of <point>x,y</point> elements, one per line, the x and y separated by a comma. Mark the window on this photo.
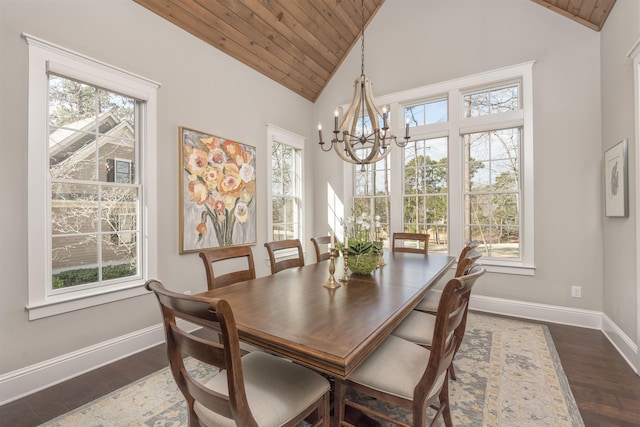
<point>94,127</point>
<point>286,184</point>
<point>120,171</point>
<point>371,196</point>
<point>491,171</point>
<point>467,173</point>
<point>425,196</point>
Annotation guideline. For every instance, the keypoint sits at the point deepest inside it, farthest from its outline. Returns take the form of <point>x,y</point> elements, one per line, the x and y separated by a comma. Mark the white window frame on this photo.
<point>634,55</point>
<point>46,57</point>
<point>282,136</point>
<point>453,129</point>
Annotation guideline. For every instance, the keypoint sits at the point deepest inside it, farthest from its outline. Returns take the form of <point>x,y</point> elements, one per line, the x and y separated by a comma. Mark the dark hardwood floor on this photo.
<point>605,387</point>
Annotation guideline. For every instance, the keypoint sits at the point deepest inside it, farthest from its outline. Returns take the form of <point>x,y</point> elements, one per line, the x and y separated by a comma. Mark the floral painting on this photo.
<point>217,192</point>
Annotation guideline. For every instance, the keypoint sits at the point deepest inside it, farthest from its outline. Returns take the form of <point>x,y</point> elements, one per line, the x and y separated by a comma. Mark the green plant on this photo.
<point>358,237</point>
<point>82,276</point>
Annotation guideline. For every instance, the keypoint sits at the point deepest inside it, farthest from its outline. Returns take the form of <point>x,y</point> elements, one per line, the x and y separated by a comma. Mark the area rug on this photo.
<point>508,371</point>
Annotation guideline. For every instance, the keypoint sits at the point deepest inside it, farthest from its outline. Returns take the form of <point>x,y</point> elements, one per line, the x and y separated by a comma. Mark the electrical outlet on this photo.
<point>576,291</point>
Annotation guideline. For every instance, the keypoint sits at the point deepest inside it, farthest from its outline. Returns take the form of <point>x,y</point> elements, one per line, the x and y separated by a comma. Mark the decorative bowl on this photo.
<point>363,264</point>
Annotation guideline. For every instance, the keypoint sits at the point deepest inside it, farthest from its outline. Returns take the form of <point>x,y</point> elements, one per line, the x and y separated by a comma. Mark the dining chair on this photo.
<point>419,238</point>
<point>288,261</point>
<point>404,374</point>
<point>419,327</point>
<point>255,387</point>
<point>317,242</point>
<point>221,255</point>
<point>468,255</point>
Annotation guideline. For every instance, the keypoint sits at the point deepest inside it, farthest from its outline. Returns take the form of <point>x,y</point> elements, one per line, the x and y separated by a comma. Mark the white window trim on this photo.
<point>454,88</point>
<point>276,134</point>
<point>47,57</point>
<point>634,55</point>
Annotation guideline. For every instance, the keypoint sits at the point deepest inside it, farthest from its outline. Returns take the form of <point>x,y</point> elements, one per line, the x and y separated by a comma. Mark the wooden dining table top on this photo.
<point>291,314</point>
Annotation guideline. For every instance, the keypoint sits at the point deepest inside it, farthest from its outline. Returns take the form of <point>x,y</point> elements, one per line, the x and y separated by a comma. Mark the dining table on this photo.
<point>331,330</point>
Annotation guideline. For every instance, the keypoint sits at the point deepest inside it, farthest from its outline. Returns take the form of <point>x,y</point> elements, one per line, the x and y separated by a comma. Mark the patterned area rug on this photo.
<point>508,374</point>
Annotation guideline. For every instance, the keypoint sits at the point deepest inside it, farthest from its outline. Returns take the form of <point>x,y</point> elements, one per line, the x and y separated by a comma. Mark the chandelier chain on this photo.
<point>362,40</point>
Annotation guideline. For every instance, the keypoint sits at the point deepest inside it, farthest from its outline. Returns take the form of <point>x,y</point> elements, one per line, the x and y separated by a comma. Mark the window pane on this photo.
<point>119,209</point>
<point>415,115</point>
<point>428,113</point>
<point>290,211</point>
<point>74,260</point>
<point>278,210</point>
<point>278,232</point>
<point>117,160</point>
<point>72,154</point>
<point>437,112</point>
<point>492,101</point>
<point>121,107</point>
<point>119,255</point>
<point>71,104</point>
<point>74,208</point>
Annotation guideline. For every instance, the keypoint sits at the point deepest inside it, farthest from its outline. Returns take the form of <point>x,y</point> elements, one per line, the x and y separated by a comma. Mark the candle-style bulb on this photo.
<point>320,131</point>
<point>384,117</point>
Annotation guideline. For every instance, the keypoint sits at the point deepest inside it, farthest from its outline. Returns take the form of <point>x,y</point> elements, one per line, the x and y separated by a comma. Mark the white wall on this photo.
<point>202,88</point>
<point>413,43</point>
<point>621,254</point>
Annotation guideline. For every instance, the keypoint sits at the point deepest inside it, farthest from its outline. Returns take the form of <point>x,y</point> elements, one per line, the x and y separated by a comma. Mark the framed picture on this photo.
<point>217,191</point>
<point>616,181</point>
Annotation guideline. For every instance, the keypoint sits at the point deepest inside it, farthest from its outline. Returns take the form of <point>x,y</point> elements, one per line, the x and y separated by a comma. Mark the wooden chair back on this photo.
<point>431,389</point>
<point>420,238</point>
<point>317,242</point>
<point>212,256</point>
<point>295,261</point>
<point>225,355</point>
<point>450,317</point>
<point>468,256</point>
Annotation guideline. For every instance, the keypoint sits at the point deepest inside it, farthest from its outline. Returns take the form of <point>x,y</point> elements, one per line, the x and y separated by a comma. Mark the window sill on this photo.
<point>507,268</point>
<point>68,303</point>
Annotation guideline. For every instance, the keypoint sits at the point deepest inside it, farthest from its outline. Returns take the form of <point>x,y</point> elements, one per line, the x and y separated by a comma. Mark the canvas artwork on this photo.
<point>217,191</point>
<point>616,181</point>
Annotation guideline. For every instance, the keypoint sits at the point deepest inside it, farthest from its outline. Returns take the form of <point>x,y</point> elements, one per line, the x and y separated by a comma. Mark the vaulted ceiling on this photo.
<point>301,43</point>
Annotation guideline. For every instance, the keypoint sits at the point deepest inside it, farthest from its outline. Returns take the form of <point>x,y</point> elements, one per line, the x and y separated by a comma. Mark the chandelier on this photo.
<point>363,140</point>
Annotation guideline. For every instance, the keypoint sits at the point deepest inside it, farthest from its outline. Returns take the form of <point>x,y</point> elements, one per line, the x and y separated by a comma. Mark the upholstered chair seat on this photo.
<point>277,390</point>
<point>417,327</point>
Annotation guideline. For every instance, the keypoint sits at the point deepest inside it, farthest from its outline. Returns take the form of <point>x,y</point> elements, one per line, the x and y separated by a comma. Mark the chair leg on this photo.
<point>444,404</point>
<point>327,410</point>
<point>452,372</point>
<point>338,406</point>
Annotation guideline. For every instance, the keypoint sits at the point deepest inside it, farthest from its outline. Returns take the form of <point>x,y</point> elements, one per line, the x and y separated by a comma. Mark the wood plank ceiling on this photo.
<point>591,13</point>
<point>300,44</point>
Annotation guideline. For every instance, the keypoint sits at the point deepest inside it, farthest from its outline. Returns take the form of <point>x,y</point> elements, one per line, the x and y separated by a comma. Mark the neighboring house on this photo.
<point>73,153</point>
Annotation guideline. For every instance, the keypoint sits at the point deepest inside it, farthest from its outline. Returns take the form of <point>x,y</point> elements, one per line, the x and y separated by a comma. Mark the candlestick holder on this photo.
<point>345,258</point>
<point>332,283</point>
<point>381,263</point>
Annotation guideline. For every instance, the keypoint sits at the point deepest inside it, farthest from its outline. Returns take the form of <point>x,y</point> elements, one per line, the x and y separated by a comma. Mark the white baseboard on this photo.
<point>31,379</point>
<point>625,346</point>
<point>28,380</point>
<point>544,312</point>
<point>562,315</point>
